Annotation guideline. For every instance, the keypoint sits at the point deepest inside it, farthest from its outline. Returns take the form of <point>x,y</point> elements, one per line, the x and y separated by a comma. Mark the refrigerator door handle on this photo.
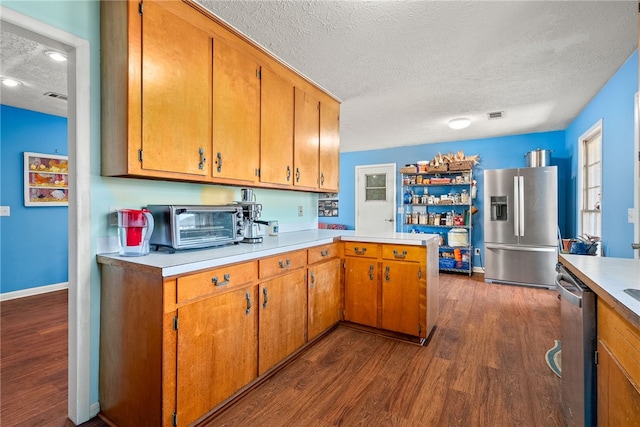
<point>520,248</point>
<point>521,208</point>
<point>516,206</point>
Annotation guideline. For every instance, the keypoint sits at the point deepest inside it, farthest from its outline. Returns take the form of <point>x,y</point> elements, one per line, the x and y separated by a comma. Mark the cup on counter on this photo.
<point>273,228</point>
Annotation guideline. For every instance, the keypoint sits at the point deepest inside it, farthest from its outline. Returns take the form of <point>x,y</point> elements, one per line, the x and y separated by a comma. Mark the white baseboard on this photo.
<point>33,291</point>
<point>94,409</point>
<point>477,269</point>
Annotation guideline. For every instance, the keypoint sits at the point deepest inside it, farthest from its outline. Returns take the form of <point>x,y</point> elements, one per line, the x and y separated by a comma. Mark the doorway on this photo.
<point>376,198</point>
<point>79,137</point>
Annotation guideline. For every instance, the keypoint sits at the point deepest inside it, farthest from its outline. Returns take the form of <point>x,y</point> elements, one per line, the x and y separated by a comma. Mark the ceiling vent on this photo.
<point>56,95</point>
<point>495,115</point>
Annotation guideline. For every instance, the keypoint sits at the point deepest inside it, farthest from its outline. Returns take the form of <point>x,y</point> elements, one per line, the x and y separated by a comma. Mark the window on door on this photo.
<point>591,182</point>
<point>376,187</point>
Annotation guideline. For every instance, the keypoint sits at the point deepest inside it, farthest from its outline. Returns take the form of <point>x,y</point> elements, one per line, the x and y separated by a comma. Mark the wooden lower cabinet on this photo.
<point>618,369</point>
<point>361,291</point>
<point>217,351</point>
<point>283,317</point>
<point>173,349</point>
<point>400,302</point>
<point>386,287</point>
<point>324,310</point>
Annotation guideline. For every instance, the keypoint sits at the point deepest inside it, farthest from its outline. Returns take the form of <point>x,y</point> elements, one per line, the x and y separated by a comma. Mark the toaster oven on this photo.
<point>195,226</point>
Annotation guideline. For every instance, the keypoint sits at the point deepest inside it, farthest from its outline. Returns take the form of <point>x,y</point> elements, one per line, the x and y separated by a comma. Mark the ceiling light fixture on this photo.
<point>459,123</point>
<point>56,56</point>
<point>10,82</point>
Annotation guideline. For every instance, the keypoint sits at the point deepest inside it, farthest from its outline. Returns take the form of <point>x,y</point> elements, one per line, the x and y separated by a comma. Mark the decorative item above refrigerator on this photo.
<point>521,226</point>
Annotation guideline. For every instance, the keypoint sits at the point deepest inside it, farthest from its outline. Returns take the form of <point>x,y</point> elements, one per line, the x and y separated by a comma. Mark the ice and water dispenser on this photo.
<point>499,208</point>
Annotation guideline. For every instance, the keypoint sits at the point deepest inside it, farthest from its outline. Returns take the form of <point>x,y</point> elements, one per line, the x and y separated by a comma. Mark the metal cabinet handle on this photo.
<point>386,274</point>
<point>399,255</point>
<point>313,279</point>
<point>358,251</point>
<point>266,297</point>
<point>249,303</point>
<point>202,159</point>
<point>297,174</point>
<point>420,273</point>
<point>285,264</point>
<point>219,162</point>
<point>226,280</point>
<point>288,173</point>
<point>324,252</point>
<point>371,272</point>
<point>322,178</point>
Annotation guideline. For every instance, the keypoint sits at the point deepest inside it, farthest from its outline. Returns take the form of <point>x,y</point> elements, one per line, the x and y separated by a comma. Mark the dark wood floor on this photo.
<point>484,366</point>
<point>33,362</point>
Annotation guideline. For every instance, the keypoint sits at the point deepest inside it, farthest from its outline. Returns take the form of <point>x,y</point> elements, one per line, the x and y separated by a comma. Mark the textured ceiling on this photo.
<point>402,69</point>
<point>24,59</point>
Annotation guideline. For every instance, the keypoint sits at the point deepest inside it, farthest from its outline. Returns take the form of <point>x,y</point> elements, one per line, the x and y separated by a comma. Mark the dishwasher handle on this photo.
<point>569,289</point>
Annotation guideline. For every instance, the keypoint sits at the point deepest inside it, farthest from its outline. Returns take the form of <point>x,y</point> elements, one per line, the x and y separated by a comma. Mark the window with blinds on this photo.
<point>591,209</point>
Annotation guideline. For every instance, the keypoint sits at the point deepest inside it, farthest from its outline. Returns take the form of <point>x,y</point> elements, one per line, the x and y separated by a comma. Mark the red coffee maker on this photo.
<point>134,229</point>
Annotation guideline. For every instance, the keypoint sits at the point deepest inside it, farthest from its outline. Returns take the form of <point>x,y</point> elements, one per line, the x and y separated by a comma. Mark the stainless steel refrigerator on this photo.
<point>521,226</point>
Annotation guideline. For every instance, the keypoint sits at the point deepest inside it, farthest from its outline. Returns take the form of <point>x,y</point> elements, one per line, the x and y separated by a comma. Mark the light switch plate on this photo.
<point>631,215</point>
<point>5,210</point>
<point>401,210</point>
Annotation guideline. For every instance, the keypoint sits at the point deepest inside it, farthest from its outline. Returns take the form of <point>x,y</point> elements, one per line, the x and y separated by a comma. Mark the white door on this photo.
<point>376,198</point>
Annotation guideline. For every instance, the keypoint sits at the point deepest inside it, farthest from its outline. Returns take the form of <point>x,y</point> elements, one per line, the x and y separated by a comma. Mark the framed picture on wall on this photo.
<point>46,180</point>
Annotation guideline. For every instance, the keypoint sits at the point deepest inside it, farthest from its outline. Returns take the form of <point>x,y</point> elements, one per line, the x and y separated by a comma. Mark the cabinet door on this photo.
<point>236,114</point>
<point>176,93</point>
<point>329,147</point>
<point>306,140</point>
<point>400,297</point>
<point>276,131</point>
<point>618,400</point>
<point>324,296</point>
<point>361,291</point>
<point>283,317</point>
<point>217,351</point>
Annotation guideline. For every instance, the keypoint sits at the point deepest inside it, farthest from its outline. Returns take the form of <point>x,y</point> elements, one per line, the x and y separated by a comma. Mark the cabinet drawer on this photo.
<point>403,253</point>
<point>622,339</point>
<point>216,280</point>
<point>321,253</point>
<point>282,263</point>
<point>366,250</point>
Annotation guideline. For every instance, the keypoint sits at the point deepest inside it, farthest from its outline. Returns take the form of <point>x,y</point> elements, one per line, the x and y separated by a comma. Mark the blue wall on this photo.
<point>614,104</point>
<point>33,239</point>
<point>495,153</point>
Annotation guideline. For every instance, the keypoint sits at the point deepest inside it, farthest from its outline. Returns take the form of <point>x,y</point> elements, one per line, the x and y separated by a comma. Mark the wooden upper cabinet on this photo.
<point>236,114</point>
<point>276,140</point>
<point>306,140</point>
<point>184,97</point>
<point>176,93</point>
<point>155,91</point>
<point>329,146</point>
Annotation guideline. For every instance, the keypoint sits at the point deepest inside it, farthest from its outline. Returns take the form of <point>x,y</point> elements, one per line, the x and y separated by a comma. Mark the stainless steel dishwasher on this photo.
<point>578,325</point>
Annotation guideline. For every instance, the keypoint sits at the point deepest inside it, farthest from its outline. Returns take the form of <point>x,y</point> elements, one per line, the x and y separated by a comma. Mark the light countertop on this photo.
<point>187,261</point>
<point>608,277</point>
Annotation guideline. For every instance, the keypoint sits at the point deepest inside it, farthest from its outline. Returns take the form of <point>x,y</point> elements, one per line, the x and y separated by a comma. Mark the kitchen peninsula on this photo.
<point>182,334</point>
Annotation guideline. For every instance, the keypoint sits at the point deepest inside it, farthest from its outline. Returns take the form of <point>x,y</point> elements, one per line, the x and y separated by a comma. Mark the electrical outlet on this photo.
<point>299,210</point>
<point>477,252</point>
<point>5,210</point>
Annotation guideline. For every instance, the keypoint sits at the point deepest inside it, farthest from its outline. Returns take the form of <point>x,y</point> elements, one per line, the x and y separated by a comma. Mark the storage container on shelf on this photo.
<point>458,237</point>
